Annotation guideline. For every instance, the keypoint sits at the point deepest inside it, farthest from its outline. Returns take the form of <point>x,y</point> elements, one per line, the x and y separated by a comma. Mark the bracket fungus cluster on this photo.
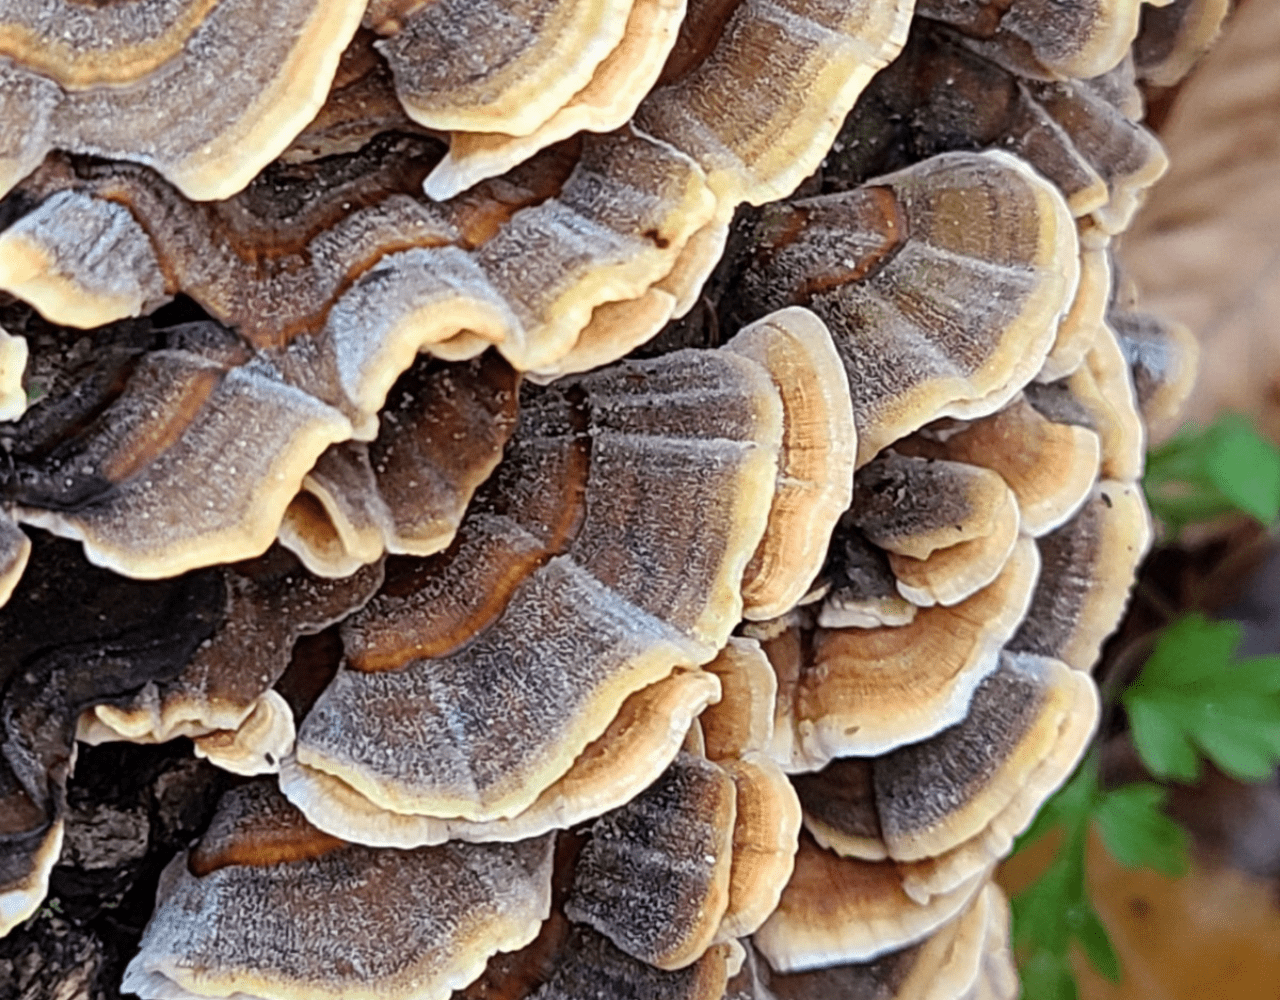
<point>713,466</point>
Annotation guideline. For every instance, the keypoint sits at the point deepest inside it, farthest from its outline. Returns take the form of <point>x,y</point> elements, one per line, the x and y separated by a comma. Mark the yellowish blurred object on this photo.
<point>1211,935</point>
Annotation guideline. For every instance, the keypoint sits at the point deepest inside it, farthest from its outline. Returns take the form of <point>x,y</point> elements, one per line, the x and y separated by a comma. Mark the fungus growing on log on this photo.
<point>530,569</point>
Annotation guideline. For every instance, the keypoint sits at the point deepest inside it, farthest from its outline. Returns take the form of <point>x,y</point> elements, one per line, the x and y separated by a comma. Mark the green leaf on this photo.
<point>1088,930</point>
<point>1244,467</point>
<point>1161,743</point>
<point>1046,976</point>
<point>1202,473</point>
<point>1191,649</point>
<point>1138,833</point>
<point>1191,697</point>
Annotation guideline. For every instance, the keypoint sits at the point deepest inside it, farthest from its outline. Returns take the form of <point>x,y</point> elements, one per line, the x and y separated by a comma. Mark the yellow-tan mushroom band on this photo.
<point>704,436</point>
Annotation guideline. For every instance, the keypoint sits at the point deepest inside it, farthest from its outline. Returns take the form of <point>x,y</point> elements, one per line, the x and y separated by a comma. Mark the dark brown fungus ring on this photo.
<point>863,691</point>
<point>604,103</point>
<point>440,436</point>
<point>577,621</point>
<point>222,698</point>
<point>1039,38</point>
<point>238,915</point>
<point>951,963</point>
<point>902,272</point>
<point>192,463</point>
<point>148,82</point>
<point>1088,568</point>
<point>839,910</point>
<point>654,875</point>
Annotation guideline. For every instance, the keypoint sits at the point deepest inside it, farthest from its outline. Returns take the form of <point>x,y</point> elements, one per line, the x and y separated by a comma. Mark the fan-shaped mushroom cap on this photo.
<point>1039,38</point>
<point>147,82</point>
<point>742,720</point>
<point>1112,413</point>
<point>440,436</point>
<point>928,877</point>
<point>616,228</point>
<point>595,622</point>
<point>815,471</point>
<point>914,506</point>
<point>447,908</point>
<point>1050,467</point>
<point>864,691</point>
<point>607,100</point>
<point>941,93</point>
<point>838,910</point>
<point>766,825</point>
<point>933,795</point>
<point>864,591</point>
<point>269,261</point>
<point>949,575</point>
<point>81,261</point>
<point>1163,358</point>
<point>760,110</point>
<point>638,745</point>
<point>1088,570</point>
<point>481,66</point>
<point>946,966</point>
<point>839,804</point>
<point>431,742</point>
<point>654,877</point>
<point>258,744</point>
<point>1079,326</point>
<point>1123,438</point>
<point>194,464</point>
<point>1173,36</point>
<point>911,302</point>
<point>341,272</point>
<point>223,691</point>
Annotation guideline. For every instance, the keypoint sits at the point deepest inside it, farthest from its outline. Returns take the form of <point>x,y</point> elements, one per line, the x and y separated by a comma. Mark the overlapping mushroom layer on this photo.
<point>539,758</point>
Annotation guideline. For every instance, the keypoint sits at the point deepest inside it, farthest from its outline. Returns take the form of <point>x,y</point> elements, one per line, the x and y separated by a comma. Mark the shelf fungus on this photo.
<point>946,92</point>
<point>966,959</point>
<point>942,284</point>
<point>238,915</point>
<point>148,82</point>
<point>223,697</point>
<point>949,806</point>
<point>440,436</point>
<point>1087,570</point>
<point>170,455</point>
<point>689,668</point>
<point>553,568</point>
<point>860,691</point>
<point>1040,38</point>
